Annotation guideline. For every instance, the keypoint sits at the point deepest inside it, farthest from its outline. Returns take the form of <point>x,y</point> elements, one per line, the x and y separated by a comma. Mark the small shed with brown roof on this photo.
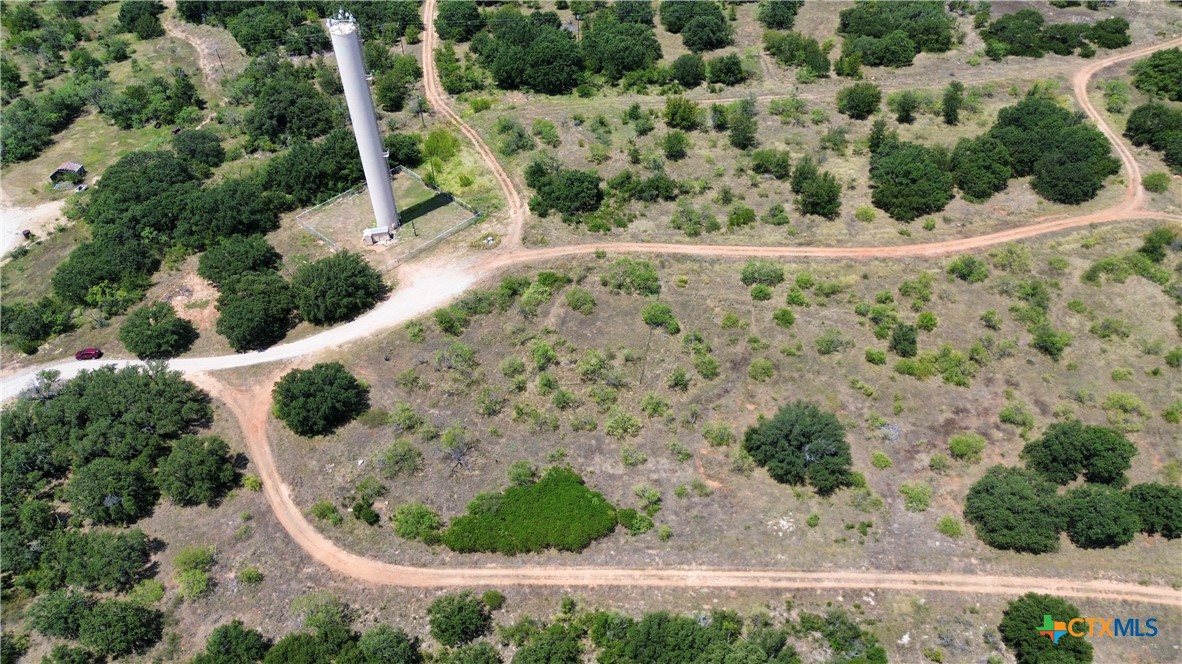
<point>70,170</point>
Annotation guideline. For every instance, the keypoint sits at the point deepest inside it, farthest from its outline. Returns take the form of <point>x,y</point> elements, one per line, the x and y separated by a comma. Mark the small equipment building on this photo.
<point>70,170</point>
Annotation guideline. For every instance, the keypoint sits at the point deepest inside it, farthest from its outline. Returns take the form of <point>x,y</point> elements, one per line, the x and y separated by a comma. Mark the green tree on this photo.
<point>743,128</point>
<point>316,401</point>
<point>820,195</point>
<point>1158,508</point>
<point>1067,449</point>
<point>1014,509</point>
<point>706,32</point>
<point>726,69</point>
<point>909,181</point>
<point>236,255</point>
<point>104,560</point>
<point>1022,619</point>
<point>287,109</point>
<point>681,113</point>
<point>1074,171</point>
<point>616,48</point>
<point>110,491</point>
<point>859,101</point>
<point>27,325</point>
<point>234,207</point>
<point>555,645</point>
<point>197,470</point>
<point>60,613</point>
<point>119,628</point>
<point>142,18</point>
<point>459,20</point>
<point>233,643</point>
<point>778,14</point>
<point>953,100</point>
<point>1099,516</point>
<point>904,340</point>
<point>404,149</point>
<point>674,144</point>
<point>458,619</point>
<point>386,644</point>
<point>156,332</point>
<point>255,310</point>
<point>980,167</point>
<point>1029,130</point>
<point>802,443</point>
<point>143,191</point>
<point>199,146</point>
<point>300,647</point>
<point>337,288</point>
<point>1158,75</point>
<point>567,191</point>
<point>689,70</point>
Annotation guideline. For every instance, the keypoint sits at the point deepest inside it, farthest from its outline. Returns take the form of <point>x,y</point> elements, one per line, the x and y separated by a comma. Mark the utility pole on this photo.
<point>215,52</point>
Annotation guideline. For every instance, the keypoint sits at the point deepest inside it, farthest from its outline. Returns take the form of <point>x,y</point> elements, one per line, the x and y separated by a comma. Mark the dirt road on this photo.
<point>425,288</point>
<point>252,409</point>
<point>437,98</point>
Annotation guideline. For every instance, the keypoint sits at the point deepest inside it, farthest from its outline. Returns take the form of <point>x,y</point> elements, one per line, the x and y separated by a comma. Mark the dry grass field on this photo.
<point>753,521</point>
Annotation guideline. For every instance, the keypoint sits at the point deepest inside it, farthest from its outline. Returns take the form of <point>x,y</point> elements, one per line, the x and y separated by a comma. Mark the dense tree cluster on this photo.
<point>778,14</point>
<point>1019,509</point>
<point>529,52</point>
<point>1160,127</point>
<point>27,325</point>
<point>701,24</point>
<point>792,49</point>
<point>1069,160</point>
<point>614,47</point>
<point>1067,449</point>
<point>569,192</point>
<point>817,192</point>
<point>909,180</point>
<point>1021,621</point>
<point>156,332</point>
<point>336,288</point>
<point>891,33</point>
<point>319,400</point>
<point>1159,74</point>
<point>1025,33</point>
<point>802,444</point>
<point>29,124</point>
<point>103,431</point>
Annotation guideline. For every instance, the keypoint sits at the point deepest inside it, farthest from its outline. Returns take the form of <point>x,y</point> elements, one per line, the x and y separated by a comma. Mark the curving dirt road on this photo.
<point>425,288</point>
<point>252,409</point>
<point>437,97</point>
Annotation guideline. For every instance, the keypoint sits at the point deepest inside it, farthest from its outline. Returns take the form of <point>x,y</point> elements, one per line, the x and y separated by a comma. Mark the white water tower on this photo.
<point>346,43</point>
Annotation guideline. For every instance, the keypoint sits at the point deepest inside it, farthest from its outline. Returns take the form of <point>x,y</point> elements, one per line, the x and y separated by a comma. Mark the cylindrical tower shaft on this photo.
<point>346,43</point>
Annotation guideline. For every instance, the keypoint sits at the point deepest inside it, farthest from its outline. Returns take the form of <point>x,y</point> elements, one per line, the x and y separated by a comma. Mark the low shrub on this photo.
<point>966,447</point>
<point>556,512</point>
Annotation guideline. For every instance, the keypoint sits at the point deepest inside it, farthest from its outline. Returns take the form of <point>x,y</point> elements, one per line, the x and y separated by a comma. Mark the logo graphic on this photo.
<point>1055,629</point>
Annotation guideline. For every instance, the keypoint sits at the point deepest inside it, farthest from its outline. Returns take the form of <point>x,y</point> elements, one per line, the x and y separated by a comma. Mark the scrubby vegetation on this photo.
<point>556,512</point>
